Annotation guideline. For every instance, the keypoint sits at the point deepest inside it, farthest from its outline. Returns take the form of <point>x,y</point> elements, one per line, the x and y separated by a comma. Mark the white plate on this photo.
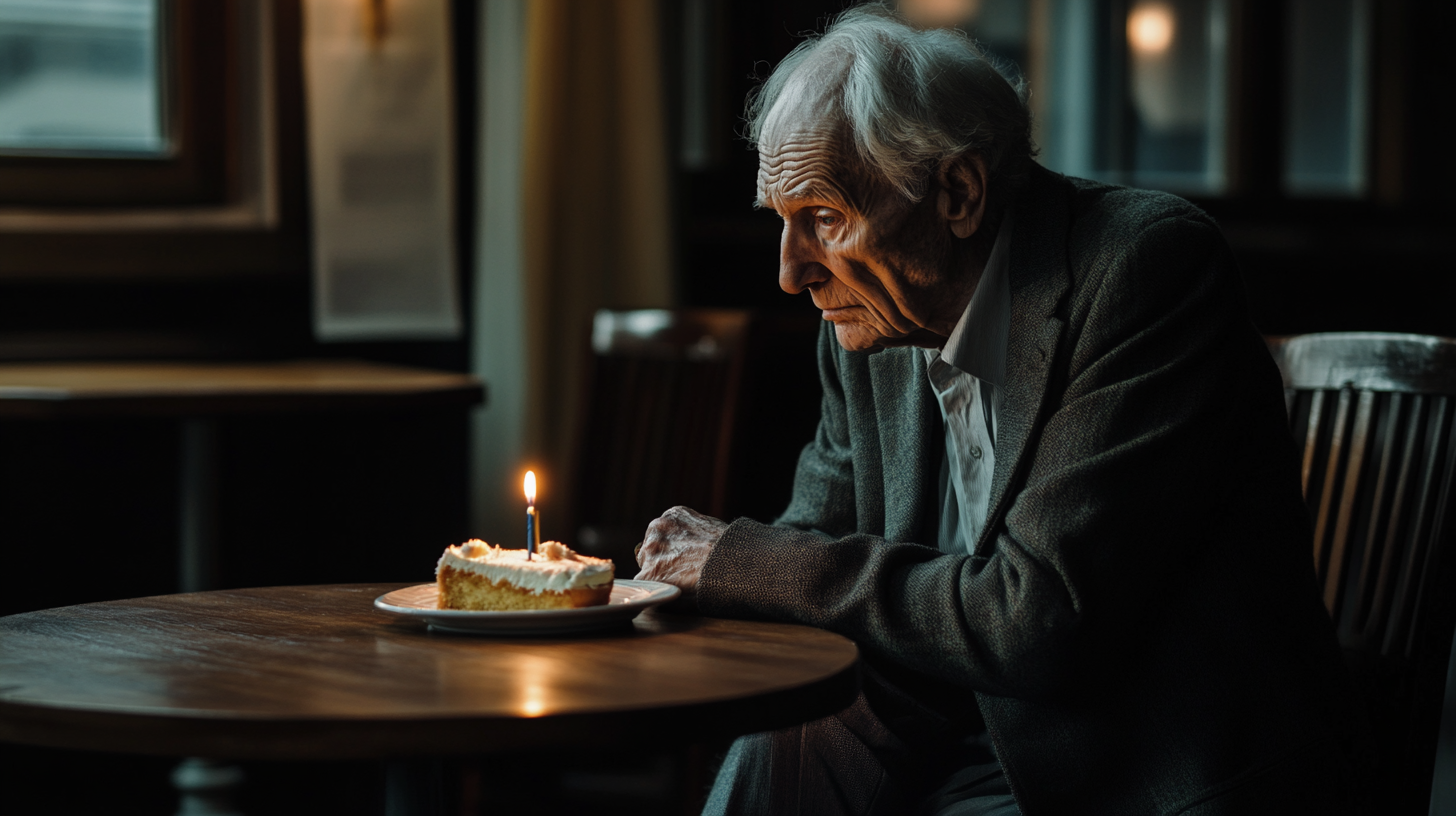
<point>629,598</point>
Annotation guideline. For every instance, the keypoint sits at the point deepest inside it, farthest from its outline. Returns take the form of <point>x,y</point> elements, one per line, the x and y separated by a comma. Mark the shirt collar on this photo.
<point>977,345</point>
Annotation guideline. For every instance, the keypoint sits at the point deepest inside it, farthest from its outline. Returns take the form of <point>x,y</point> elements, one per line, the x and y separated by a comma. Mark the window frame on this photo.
<point>230,202</point>
<point>1253,131</point>
<point>195,170</point>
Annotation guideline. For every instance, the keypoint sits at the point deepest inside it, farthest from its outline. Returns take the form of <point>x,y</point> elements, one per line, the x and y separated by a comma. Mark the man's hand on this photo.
<point>676,547</point>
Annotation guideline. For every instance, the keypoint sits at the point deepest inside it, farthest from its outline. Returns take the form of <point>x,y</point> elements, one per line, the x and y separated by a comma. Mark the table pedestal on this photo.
<point>206,788</point>
<point>197,506</point>
<point>414,787</point>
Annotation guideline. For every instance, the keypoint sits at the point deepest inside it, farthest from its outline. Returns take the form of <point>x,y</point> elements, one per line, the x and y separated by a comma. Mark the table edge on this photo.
<point>181,734</point>
<point>209,732</point>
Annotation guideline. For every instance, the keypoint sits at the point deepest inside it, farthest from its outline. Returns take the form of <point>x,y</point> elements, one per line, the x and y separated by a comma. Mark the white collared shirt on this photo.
<point>967,376</point>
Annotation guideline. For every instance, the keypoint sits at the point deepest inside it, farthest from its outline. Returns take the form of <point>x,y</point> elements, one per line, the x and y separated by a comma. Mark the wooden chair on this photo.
<point>657,423</point>
<point>706,408</point>
<point>1374,414</point>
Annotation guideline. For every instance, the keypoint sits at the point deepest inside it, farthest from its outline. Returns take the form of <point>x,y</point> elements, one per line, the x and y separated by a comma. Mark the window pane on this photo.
<point>1326,85</point>
<point>1001,26</point>
<point>1070,110</point>
<point>80,76</point>
<point>1135,93</point>
<point>1176,66</point>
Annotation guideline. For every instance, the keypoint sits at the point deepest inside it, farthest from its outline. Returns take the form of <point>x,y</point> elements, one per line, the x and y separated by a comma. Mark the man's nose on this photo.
<point>799,261</point>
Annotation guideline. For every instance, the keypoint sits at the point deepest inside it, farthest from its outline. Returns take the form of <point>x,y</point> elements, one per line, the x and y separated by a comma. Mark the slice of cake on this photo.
<point>478,576</point>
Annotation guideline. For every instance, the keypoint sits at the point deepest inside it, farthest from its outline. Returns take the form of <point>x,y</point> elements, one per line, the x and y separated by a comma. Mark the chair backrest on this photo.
<point>1374,414</point>
<point>658,423</point>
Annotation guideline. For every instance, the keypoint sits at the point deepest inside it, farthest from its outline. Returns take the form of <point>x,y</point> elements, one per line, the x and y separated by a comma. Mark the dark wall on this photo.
<point>728,252</point>
<point>1381,264</point>
<point>305,499</point>
<point>89,508</point>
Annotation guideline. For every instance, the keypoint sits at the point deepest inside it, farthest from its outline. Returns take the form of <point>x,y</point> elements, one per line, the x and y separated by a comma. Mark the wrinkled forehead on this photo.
<point>802,162</point>
<point>800,143</point>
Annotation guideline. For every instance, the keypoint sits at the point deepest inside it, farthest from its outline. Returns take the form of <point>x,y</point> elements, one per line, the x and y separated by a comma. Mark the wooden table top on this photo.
<point>42,390</point>
<point>315,672</point>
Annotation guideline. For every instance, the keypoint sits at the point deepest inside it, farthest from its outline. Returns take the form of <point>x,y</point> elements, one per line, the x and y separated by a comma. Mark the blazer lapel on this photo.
<point>1039,280</point>
<point>909,423</point>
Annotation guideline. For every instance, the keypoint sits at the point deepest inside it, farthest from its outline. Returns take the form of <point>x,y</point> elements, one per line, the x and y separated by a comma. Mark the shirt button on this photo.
<point>975,451</point>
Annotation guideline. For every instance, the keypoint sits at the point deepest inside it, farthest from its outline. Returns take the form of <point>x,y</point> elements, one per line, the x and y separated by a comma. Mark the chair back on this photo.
<point>1374,413</point>
<point>658,423</point>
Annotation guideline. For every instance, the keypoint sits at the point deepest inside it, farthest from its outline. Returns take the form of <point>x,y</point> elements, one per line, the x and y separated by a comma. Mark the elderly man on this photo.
<point>1052,494</point>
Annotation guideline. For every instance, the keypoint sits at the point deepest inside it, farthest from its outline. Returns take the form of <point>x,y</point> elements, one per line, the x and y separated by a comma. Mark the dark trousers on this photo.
<point>852,764</point>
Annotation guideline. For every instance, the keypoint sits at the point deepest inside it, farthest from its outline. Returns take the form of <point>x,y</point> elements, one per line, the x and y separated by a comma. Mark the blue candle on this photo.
<point>532,534</point>
<point>533,521</point>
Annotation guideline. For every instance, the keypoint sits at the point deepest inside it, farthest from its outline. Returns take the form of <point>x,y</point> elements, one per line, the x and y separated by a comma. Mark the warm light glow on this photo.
<point>1150,28</point>
<point>532,677</point>
<point>940,13</point>
<point>531,487</point>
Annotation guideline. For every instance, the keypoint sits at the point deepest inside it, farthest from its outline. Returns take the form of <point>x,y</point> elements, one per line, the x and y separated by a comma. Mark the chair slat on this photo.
<point>1397,636</point>
<point>1424,568</point>
<point>1311,439</point>
<point>658,431</point>
<point>1385,468</point>
<point>1438,533</point>
<point>1397,521</point>
<point>1354,465</point>
<point>1326,509</point>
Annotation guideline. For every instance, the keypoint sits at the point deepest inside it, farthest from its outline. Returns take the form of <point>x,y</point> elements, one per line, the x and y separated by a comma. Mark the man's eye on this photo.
<point>827,219</point>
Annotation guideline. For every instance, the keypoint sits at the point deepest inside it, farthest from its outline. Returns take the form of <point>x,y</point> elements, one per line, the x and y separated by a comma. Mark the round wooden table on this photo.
<point>315,672</point>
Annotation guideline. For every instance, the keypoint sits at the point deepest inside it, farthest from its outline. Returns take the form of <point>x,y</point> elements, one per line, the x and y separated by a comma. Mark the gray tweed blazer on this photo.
<point>1139,626</point>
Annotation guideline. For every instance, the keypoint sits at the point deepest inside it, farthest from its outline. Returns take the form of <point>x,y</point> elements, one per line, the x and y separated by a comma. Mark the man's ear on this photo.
<point>961,199</point>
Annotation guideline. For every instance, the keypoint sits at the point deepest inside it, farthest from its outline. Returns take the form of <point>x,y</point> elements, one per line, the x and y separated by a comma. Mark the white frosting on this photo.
<point>554,568</point>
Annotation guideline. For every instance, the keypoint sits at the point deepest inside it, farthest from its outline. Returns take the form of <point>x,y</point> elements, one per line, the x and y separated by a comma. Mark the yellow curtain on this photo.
<point>596,199</point>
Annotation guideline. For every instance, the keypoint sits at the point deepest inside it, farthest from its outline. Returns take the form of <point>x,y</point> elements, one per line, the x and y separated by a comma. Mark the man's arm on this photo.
<point>1126,474</point>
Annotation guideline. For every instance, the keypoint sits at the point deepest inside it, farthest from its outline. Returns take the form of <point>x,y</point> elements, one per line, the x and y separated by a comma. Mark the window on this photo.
<point>152,138</point>
<point>116,102</point>
<point>82,77</point>
<point>1136,93</point>
<point>1326,83</point>
<point>1168,93</point>
<point>1176,60</point>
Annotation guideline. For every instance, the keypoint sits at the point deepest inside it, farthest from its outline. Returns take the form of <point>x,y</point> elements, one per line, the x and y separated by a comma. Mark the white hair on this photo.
<point>911,99</point>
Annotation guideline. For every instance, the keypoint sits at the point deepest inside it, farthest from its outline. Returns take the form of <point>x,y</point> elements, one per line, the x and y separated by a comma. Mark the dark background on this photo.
<point>88,508</point>
<point>1309,265</point>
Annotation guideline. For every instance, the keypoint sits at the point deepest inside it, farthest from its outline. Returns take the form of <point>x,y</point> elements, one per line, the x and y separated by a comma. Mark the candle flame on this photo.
<point>530,487</point>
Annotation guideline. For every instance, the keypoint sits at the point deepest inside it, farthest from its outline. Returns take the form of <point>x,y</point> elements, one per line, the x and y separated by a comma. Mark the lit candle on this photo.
<point>533,520</point>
